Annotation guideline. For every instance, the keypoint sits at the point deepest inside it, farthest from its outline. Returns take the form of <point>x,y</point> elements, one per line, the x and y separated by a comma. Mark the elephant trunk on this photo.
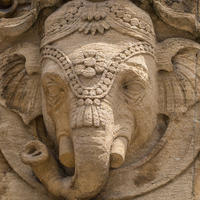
<point>92,158</point>
<point>92,155</point>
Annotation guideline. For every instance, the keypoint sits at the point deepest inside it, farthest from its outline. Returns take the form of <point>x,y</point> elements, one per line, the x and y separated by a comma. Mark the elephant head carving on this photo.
<point>100,95</point>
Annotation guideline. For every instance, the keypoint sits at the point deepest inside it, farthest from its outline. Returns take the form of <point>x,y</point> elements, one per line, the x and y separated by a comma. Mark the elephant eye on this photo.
<point>53,84</point>
<point>54,94</point>
<point>132,85</point>
<point>125,86</point>
<point>133,90</point>
<point>54,90</point>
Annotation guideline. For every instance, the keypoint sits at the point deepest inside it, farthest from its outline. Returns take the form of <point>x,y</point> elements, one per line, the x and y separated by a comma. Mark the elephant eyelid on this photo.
<point>54,82</point>
<point>133,84</point>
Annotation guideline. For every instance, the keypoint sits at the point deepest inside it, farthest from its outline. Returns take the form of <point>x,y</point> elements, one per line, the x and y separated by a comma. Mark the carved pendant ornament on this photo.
<point>99,99</point>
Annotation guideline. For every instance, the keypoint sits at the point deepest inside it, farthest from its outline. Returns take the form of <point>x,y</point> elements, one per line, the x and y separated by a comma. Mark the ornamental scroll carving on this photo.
<point>98,101</point>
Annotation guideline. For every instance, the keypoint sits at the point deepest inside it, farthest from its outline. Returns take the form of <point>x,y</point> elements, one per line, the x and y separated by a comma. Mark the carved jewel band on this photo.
<point>87,66</point>
<point>94,63</point>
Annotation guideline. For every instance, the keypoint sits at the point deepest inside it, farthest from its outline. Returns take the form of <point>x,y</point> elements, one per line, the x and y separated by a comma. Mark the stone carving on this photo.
<point>96,107</point>
<point>90,64</point>
<point>187,21</point>
<point>101,17</point>
<point>23,20</point>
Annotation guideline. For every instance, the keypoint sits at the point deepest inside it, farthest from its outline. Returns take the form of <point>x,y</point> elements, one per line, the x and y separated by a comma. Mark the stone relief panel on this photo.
<point>94,104</point>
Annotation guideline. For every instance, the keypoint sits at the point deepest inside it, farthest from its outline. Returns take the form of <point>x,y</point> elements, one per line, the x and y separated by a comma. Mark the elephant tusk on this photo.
<point>118,152</point>
<point>66,151</point>
<point>120,144</point>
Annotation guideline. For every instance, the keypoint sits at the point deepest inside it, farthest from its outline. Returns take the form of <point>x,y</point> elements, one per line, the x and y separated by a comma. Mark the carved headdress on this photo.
<point>88,17</point>
<point>98,17</point>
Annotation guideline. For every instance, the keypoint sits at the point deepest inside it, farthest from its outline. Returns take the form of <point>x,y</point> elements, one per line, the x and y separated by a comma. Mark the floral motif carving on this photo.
<point>92,18</point>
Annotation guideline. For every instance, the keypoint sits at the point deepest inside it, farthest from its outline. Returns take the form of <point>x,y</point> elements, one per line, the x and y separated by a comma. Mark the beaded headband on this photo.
<point>94,63</point>
<point>97,18</point>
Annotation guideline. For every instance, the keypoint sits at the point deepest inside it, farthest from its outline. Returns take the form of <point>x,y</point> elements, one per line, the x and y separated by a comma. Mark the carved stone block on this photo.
<point>98,101</point>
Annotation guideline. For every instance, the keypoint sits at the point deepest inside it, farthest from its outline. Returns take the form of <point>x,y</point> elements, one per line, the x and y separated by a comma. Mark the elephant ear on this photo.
<point>20,80</point>
<point>20,92</point>
<point>178,62</point>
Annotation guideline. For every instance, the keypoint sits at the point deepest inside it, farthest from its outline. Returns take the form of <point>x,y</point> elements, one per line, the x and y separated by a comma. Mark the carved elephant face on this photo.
<point>101,87</point>
<point>98,100</point>
<point>100,97</point>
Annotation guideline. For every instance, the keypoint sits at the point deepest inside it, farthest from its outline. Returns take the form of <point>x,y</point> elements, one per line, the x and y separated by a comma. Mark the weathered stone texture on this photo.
<point>99,99</point>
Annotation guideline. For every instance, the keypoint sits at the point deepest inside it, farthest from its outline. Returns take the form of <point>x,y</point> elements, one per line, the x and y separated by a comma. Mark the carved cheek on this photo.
<point>55,94</point>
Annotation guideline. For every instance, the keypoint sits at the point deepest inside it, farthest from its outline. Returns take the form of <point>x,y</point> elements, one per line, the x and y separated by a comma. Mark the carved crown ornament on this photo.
<point>99,106</point>
<point>15,23</point>
<point>92,18</point>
